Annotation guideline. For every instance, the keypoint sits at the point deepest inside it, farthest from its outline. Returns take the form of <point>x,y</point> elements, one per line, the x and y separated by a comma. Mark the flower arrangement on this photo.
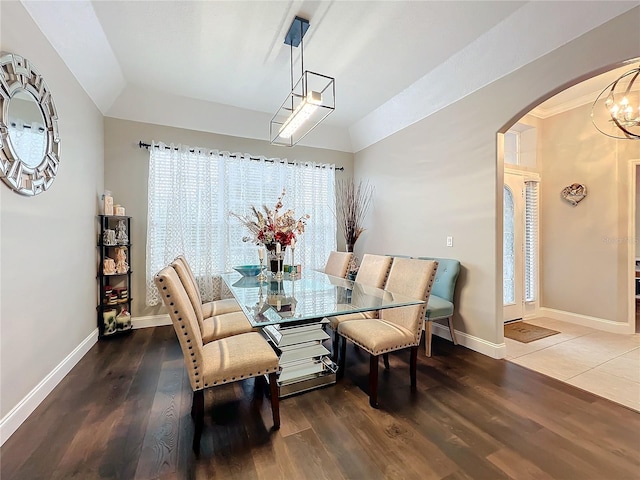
<point>271,226</point>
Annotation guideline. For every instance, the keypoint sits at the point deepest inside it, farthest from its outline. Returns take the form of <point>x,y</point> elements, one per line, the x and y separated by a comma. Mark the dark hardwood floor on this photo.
<point>123,412</point>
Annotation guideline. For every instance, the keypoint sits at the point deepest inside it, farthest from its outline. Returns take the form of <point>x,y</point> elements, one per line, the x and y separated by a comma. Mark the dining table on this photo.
<point>291,311</point>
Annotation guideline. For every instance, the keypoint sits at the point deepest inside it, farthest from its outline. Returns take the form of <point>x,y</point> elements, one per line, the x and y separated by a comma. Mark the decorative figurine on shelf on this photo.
<point>108,202</point>
<point>108,266</point>
<point>109,321</point>
<point>123,319</point>
<point>121,260</point>
<point>121,233</point>
<point>109,237</point>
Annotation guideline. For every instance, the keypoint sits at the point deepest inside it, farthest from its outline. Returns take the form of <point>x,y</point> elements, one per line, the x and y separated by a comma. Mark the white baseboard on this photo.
<point>493,350</point>
<point>150,321</point>
<point>587,321</point>
<point>18,414</point>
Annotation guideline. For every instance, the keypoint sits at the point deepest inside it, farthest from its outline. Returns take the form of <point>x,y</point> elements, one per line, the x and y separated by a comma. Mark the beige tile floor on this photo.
<point>602,363</point>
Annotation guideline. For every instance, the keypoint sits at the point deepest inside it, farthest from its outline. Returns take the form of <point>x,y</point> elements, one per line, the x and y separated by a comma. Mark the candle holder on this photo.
<point>261,276</point>
<point>278,275</point>
<point>294,270</point>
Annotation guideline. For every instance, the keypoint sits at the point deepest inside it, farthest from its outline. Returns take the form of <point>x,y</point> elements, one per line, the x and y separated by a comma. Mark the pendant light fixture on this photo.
<point>616,111</point>
<point>311,99</point>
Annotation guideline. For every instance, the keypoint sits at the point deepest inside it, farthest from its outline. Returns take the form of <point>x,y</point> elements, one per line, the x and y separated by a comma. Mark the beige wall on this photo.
<point>48,243</point>
<point>583,248</point>
<point>637,237</point>
<point>127,167</point>
<point>440,176</point>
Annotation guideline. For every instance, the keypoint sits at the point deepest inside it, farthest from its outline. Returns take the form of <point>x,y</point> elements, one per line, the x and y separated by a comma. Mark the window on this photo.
<point>530,240</point>
<point>512,147</point>
<point>508,250</point>
<point>520,145</point>
<point>191,193</point>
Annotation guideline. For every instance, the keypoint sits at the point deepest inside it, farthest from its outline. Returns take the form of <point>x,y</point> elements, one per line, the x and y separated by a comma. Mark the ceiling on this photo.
<point>232,53</point>
<point>583,93</point>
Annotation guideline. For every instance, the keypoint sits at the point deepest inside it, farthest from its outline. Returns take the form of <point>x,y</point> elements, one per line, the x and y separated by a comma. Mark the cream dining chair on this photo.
<point>209,309</point>
<point>373,272</point>
<point>396,328</point>
<point>338,264</point>
<point>225,317</point>
<point>218,362</point>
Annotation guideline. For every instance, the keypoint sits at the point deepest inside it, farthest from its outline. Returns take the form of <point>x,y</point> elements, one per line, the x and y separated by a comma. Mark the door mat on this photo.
<point>525,332</point>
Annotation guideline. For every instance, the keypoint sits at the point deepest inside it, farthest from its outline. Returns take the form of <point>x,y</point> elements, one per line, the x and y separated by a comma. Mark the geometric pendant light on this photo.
<point>311,99</point>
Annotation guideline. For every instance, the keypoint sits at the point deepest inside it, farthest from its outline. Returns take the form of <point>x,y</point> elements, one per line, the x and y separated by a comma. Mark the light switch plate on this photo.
<point>449,241</point>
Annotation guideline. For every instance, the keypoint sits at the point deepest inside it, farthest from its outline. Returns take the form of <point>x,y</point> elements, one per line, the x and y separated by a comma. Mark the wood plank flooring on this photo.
<point>123,412</point>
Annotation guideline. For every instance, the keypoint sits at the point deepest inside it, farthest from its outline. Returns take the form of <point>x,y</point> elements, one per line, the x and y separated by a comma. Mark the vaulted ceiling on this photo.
<point>226,64</point>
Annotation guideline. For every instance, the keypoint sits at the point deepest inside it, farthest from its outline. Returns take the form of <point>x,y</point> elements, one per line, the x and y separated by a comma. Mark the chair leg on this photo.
<point>385,359</point>
<point>197,412</point>
<point>373,380</point>
<point>452,331</point>
<point>342,358</point>
<point>275,400</point>
<point>427,338</point>
<point>412,366</point>
<point>336,345</point>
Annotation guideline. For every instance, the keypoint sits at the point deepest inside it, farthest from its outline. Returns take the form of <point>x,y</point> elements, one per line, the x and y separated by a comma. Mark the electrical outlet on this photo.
<point>449,241</point>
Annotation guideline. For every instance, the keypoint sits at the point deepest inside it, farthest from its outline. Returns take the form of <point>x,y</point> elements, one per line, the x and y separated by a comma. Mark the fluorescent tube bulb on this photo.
<point>301,114</point>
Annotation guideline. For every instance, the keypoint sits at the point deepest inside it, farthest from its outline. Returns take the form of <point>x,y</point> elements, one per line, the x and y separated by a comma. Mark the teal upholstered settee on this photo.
<point>440,304</point>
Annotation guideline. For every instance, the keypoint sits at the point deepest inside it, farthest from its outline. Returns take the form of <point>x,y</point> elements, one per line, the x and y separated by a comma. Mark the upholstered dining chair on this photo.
<point>373,272</point>
<point>216,363</point>
<point>396,328</point>
<point>338,264</point>
<point>209,309</point>
<point>227,321</point>
<point>441,305</point>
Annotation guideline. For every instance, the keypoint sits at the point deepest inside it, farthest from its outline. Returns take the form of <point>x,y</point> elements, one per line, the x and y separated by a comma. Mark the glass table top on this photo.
<point>311,296</point>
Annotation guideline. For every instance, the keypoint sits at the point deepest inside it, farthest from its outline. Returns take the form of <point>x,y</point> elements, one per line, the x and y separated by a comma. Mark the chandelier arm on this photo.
<point>629,134</point>
<point>633,80</point>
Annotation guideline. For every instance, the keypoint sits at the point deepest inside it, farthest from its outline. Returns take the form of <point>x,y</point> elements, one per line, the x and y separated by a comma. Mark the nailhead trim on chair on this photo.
<point>198,381</point>
<point>176,312</point>
<point>390,349</point>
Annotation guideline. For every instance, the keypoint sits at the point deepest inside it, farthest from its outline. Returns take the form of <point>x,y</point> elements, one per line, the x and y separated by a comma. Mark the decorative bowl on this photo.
<point>248,270</point>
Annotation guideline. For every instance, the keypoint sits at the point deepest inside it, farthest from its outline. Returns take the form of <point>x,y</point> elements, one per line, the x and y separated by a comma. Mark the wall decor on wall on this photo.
<point>574,193</point>
<point>29,140</point>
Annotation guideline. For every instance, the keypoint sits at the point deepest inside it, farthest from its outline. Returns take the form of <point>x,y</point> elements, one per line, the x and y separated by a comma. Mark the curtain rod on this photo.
<point>142,144</point>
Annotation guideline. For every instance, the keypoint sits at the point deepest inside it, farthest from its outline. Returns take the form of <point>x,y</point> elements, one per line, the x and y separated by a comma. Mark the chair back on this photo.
<point>444,284</point>
<point>188,280</point>
<point>414,278</point>
<point>338,264</point>
<point>374,270</point>
<point>183,317</point>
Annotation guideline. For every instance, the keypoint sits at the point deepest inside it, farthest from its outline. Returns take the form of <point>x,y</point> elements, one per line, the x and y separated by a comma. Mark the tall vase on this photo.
<point>272,257</point>
<point>350,247</point>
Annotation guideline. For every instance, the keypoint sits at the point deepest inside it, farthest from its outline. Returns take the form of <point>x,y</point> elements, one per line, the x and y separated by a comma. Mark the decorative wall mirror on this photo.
<point>29,141</point>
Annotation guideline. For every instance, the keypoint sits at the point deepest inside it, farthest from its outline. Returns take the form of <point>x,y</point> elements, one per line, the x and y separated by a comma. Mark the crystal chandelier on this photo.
<point>616,111</point>
<point>311,99</point>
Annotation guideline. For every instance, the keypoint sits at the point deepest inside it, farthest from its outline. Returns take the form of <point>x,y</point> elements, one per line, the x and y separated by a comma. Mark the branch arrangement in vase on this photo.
<point>353,202</point>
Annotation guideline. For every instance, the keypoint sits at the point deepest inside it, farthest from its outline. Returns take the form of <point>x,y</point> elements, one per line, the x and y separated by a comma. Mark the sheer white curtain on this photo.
<point>192,191</point>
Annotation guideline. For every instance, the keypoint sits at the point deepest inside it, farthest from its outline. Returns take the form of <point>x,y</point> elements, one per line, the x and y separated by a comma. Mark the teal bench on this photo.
<point>440,304</point>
